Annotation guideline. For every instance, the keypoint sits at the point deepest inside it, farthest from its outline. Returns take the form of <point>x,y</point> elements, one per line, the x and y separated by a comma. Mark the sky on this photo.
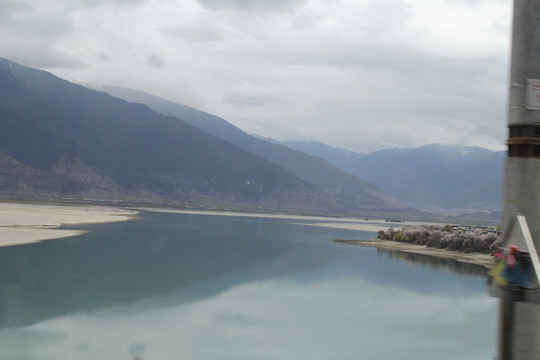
<point>357,74</point>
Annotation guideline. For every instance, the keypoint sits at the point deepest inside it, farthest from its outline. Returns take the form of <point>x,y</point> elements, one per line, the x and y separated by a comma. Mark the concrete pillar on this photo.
<point>522,179</point>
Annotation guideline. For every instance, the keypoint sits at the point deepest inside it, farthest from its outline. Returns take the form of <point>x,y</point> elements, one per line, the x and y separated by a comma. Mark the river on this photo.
<point>179,286</point>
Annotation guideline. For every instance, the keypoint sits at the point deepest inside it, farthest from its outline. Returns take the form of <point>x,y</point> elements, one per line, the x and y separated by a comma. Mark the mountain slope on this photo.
<point>433,176</point>
<point>143,154</point>
<point>480,184</point>
<point>350,192</point>
<point>437,176</point>
<point>341,158</point>
<point>32,158</point>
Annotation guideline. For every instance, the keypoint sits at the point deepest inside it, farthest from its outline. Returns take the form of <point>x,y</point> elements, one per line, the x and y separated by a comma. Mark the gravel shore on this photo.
<point>485,260</point>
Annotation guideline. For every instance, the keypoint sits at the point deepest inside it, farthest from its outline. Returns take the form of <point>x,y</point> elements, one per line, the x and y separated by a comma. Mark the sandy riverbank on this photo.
<point>28,223</point>
<point>485,260</point>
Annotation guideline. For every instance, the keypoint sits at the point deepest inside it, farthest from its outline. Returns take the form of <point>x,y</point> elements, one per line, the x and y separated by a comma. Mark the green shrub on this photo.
<point>401,237</point>
<point>447,228</point>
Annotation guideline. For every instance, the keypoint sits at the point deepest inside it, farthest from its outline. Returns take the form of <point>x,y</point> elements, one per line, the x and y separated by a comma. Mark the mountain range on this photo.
<point>351,193</point>
<point>63,140</point>
<point>430,177</point>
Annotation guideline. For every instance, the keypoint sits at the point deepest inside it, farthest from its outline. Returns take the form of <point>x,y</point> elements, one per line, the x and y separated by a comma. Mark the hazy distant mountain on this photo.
<point>59,139</point>
<point>436,176</point>
<point>266,138</point>
<point>341,158</point>
<point>477,185</point>
<point>351,192</point>
<point>432,176</point>
<point>448,177</point>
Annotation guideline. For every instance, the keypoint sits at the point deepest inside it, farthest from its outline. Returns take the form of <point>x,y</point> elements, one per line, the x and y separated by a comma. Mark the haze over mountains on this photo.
<point>432,177</point>
<point>349,191</point>
<point>63,140</point>
<point>95,145</point>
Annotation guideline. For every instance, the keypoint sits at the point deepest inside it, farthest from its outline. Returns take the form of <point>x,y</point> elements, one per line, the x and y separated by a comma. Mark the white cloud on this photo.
<point>246,94</point>
<point>273,320</point>
<point>261,6</point>
<point>361,74</point>
<point>30,35</point>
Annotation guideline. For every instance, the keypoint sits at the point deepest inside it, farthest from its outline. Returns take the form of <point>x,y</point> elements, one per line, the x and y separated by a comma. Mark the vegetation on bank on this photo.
<point>445,237</point>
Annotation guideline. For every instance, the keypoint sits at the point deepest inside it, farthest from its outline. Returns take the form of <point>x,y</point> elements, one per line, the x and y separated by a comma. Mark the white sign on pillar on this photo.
<point>533,94</point>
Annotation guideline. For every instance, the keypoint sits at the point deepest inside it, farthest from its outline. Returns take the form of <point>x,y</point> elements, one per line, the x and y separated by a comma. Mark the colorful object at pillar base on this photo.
<point>512,267</point>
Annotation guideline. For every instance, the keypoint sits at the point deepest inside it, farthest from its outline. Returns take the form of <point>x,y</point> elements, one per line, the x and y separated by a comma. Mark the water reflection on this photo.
<point>121,263</point>
<point>199,287</point>
<point>347,318</point>
<point>437,263</point>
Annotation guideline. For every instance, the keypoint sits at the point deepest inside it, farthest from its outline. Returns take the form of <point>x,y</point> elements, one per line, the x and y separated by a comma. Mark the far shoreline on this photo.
<point>357,224</point>
<point>27,223</point>
<point>484,260</point>
<point>342,222</point>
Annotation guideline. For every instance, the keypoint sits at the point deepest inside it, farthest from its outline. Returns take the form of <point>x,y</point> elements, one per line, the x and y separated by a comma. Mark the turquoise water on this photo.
<point>173,286</point>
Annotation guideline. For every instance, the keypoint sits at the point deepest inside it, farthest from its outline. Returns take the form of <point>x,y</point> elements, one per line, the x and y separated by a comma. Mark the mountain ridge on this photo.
<point>351,192</point>
<point>432,176</point>
<point>146,155</point>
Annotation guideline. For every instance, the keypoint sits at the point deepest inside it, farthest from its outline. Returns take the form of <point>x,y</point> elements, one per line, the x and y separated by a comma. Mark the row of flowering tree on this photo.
<point>440,237</point>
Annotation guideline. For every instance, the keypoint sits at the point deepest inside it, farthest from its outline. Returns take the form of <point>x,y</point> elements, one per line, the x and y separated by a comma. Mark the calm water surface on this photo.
<point>174,286</point>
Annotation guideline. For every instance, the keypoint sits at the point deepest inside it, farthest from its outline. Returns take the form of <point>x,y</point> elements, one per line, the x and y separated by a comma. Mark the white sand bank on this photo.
<point>369,225</point>
<point>28,223</point>
<point>375,227</point>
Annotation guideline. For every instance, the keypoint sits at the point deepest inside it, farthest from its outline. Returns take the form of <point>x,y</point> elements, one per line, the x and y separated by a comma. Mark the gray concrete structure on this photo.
<point>522,180</point>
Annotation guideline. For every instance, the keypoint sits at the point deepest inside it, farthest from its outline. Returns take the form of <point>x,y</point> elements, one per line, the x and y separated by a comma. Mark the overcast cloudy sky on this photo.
<point>357,74</point>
